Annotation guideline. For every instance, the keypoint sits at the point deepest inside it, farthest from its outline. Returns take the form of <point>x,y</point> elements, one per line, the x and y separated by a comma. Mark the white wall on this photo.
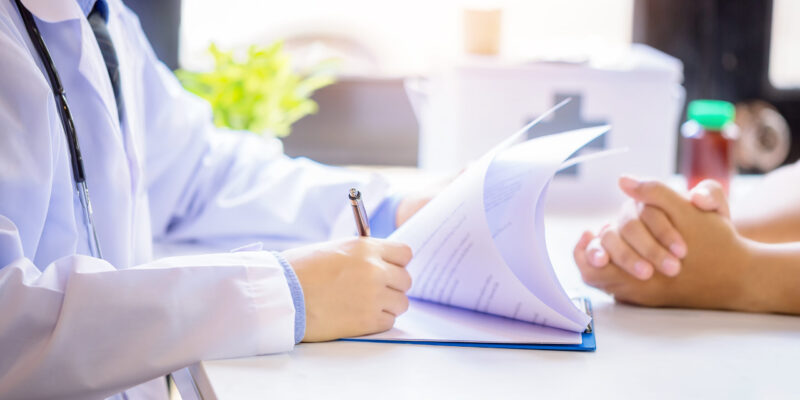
<point>406,36</point>
<point>784,57</point>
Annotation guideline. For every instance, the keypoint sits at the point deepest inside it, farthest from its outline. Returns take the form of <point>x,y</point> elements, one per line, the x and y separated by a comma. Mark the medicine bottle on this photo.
<point>708,137</point>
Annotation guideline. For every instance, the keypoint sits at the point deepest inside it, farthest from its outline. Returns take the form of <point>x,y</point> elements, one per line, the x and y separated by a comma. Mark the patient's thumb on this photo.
<point>654,193</point>
<point>709,195</point>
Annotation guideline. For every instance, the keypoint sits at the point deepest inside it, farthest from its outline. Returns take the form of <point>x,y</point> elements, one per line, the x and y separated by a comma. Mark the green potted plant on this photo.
<point>262,93</point>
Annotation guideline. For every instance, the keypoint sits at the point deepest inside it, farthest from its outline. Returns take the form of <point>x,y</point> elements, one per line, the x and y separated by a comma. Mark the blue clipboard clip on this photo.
<point>587,308</point>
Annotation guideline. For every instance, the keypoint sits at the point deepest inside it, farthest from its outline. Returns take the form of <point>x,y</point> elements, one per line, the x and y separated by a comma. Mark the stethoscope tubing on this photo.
<point>78,171</point>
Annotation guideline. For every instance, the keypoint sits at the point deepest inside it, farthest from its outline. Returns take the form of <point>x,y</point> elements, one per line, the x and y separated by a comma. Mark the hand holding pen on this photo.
<point>353,286</point>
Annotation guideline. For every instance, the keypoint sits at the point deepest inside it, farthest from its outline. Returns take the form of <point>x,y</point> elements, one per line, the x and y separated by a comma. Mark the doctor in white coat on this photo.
<point>76,326</point>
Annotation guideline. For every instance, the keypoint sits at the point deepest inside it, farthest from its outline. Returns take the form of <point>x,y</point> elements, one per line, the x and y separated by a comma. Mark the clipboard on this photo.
<point>588,342</point>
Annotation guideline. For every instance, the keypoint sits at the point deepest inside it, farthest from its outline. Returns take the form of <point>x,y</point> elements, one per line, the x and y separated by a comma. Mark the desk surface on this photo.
<point>641,353</point>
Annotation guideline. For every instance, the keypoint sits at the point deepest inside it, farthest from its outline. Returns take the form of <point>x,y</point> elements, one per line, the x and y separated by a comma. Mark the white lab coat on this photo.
<point>73,326</point>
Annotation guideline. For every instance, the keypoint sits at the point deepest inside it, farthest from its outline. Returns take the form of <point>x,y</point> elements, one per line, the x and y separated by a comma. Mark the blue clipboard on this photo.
<point>589,342</point>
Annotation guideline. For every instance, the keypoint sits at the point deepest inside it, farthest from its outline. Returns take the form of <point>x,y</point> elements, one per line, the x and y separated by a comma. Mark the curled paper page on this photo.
<point>480,244</point>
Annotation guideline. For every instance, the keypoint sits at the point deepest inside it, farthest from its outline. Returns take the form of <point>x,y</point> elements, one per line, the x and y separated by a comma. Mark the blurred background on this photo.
<point>414,79</point>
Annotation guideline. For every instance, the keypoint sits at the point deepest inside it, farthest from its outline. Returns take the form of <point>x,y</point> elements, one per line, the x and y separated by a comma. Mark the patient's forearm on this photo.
<point>773,284</point>
<point>771,213</point>
<point>772,229</point>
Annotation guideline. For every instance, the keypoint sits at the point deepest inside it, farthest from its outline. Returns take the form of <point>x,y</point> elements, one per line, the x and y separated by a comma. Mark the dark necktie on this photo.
<point>97,20</point>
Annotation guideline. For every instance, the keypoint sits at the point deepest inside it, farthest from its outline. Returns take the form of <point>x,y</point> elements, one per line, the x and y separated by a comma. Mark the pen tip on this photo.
<point>354,194</point>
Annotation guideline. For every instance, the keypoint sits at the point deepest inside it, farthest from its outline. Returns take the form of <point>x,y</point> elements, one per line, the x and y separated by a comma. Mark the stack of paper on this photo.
<point>481,272</point>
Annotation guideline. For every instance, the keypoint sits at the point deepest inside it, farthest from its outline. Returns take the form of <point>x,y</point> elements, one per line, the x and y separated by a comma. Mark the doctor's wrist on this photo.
<point>298,298</point>
<point>351,286</point>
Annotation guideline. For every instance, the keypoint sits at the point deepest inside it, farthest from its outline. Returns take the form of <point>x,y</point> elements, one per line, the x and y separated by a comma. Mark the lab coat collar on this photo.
<point>87,5</point>
<point>90,64</point>
<point>54,10</point>
<point>61,10</point>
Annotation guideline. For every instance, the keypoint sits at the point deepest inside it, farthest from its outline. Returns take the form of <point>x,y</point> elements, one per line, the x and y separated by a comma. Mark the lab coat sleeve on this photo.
<point>211,185</point>
<point>79,328</point>
<point>83,329</point>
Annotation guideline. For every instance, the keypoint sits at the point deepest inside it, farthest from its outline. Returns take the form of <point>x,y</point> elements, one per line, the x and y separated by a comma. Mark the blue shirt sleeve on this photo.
<point>297,298</point>
<point>382,222</point>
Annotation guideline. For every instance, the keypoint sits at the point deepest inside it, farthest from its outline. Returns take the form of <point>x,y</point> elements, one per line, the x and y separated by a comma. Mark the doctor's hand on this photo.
<point>644,241</point>
<point>716,267</point>
<point>410,205</point>
<point>415,200</point>
<point>351,287</point>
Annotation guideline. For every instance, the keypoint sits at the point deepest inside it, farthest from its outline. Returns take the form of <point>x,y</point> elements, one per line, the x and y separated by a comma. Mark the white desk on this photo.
<point>641,353</point>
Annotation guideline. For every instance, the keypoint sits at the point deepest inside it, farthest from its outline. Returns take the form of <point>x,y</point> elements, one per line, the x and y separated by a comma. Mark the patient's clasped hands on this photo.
<point>671,249</point>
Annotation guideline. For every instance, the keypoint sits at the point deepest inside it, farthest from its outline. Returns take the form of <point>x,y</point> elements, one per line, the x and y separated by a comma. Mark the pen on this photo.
<point>360,214</point>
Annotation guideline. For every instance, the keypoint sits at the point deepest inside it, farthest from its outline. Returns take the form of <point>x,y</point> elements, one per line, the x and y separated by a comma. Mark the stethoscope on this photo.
<point>78,172</point>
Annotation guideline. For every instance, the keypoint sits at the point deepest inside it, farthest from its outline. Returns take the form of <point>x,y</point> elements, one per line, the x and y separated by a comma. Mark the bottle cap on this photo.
<point>711,114</point>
